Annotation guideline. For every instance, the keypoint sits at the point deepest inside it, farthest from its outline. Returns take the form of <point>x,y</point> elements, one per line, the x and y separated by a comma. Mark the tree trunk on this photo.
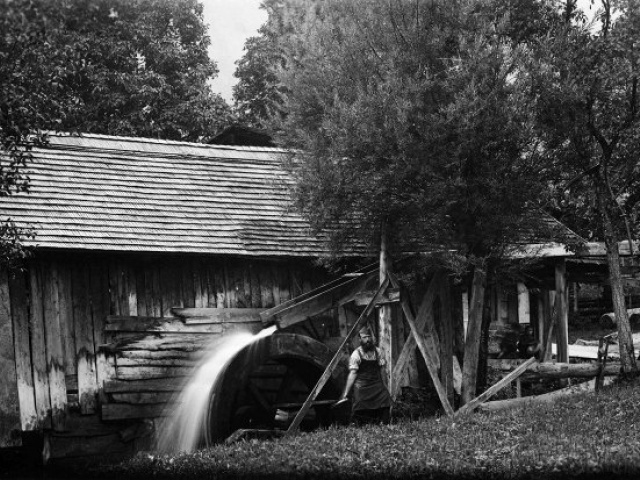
<point>625,340</point>
<point>385,331</point>
<point>474,336</point>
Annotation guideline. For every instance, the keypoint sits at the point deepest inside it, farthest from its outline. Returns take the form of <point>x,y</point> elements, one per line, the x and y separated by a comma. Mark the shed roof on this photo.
<point>101,192</point>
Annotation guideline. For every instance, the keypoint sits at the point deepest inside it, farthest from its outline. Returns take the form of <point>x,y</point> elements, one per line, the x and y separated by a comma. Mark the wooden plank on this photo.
<point>153,274</point>
<point>424,323</point>
<point>65,304</point>
<point>283,282</point>
<point>187,285</point>
<point>255,285</point>
<point>24,373</point>
<point>85,347</point>
<point>9,402</point>
<point>266,286</point>
<point>185,342</point>
<point>324,378</point>
<point>55,353</point>
<point>144,398</point>
<point>220,286</point>
<point>158,325</point>
<point>151,355</point>
<point>426,350</point>
<point>142,290</point>
<point>562,311</point>
<point>131,289</point>
<point>491,391</point>
<point>217,315</point>
<point>100,299</point>
<point>143,386</point>
<point>126,361</point>
<point>118,411</point>
<point>143,373</point>
<point>38,348</point>
<point>201,299</point>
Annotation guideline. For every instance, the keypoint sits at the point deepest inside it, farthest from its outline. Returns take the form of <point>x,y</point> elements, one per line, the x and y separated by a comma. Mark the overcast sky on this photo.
<point>231,22</point>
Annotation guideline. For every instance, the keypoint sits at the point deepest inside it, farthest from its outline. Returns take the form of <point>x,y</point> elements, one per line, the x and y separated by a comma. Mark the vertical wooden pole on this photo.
<point>465,313</point>
<point>385,332</point>
<point>446,340</point>
<point>562,312</point>
<point>474,337</point>
<point>524,314</point>
<point>24,373</point>
<point>540,320</point>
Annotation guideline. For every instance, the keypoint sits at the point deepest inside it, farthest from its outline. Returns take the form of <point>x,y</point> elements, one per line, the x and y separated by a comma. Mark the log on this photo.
<point>155,362</point>
<point>470,406</point>
<point>142,398</point>
<point>585,387</point>
<point>142,373</point>
<point>560,370</point>
<point>473,337</point>
<point>609,319</point>
<point>562,311</point>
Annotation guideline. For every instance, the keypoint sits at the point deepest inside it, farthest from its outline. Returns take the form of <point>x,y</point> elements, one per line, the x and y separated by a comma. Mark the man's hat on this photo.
<point>366,330</point>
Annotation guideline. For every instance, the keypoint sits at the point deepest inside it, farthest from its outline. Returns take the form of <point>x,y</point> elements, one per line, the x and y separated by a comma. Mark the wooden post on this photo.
<point>562,312</point>
<point>465,313</point>
<point>446,340</point>
<point>540,320</point>
<point>474,334</point>
<point>38,348</point>
<point>524,315</point>
<point>385,331</point>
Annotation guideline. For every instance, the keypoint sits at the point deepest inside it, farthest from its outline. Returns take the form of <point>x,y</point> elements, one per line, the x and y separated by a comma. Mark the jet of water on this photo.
<point>181,431</point>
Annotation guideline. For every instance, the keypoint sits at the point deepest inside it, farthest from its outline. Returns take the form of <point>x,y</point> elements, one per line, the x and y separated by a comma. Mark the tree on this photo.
<point>117,67</point>
<point>584,79</point>
<point>393,108</point>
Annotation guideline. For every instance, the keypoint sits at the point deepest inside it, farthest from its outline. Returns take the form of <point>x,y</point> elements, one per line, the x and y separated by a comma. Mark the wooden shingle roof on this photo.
<point>132,194</point>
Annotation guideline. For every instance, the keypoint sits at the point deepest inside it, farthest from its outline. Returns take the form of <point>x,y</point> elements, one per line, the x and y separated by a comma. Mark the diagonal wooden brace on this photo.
<point>424,349</point>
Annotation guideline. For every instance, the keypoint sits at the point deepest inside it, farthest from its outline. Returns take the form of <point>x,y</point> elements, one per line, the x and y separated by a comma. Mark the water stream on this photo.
<point>182,430</point>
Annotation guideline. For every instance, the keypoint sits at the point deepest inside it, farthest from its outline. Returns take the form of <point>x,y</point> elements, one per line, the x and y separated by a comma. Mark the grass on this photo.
<point>580,437</point>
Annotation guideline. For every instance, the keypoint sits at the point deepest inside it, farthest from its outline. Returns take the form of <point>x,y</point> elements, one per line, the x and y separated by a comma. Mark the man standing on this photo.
<point>371,399</point>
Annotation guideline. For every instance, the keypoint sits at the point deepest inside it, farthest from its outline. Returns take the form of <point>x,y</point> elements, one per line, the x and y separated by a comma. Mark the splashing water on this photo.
<point>182,431</point>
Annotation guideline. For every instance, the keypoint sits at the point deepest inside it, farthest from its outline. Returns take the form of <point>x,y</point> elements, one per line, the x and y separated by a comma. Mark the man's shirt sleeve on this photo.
<point>354,361</point>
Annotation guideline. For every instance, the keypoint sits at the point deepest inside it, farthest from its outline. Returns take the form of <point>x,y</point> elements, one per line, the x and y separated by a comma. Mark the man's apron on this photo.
<point>369,392</point>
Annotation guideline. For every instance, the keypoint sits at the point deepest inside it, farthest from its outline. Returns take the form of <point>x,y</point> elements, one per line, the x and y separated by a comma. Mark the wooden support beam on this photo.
<point>524,315</point>
<point>324,378</point>
<point>424,323</point>
<point>385,330</point>
<point>271,315</point>
<point>558,370</point>
<point>473,339</point>
<point>473,404</point>
<point>562,311</point>
<point>122,324</point>
<point>9,408</point>
<point>301,308</point>
<point>427,354</point>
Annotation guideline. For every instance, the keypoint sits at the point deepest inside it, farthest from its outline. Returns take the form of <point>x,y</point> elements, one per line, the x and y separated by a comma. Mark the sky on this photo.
<point>230,22</point>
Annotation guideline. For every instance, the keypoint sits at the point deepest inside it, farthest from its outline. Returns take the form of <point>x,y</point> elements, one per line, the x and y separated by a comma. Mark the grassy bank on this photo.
<point>587,435</point>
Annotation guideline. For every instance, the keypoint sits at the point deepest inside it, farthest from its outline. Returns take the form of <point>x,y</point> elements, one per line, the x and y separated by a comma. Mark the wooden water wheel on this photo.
<point>266,383</point>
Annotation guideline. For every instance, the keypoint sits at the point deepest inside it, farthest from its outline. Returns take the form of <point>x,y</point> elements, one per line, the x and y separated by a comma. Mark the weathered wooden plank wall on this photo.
<point>55,313</point>
<point>9,413</point>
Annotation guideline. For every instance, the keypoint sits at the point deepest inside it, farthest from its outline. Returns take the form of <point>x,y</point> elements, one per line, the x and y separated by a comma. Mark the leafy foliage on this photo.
<point>575,437</point>
<point>137,68</point>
